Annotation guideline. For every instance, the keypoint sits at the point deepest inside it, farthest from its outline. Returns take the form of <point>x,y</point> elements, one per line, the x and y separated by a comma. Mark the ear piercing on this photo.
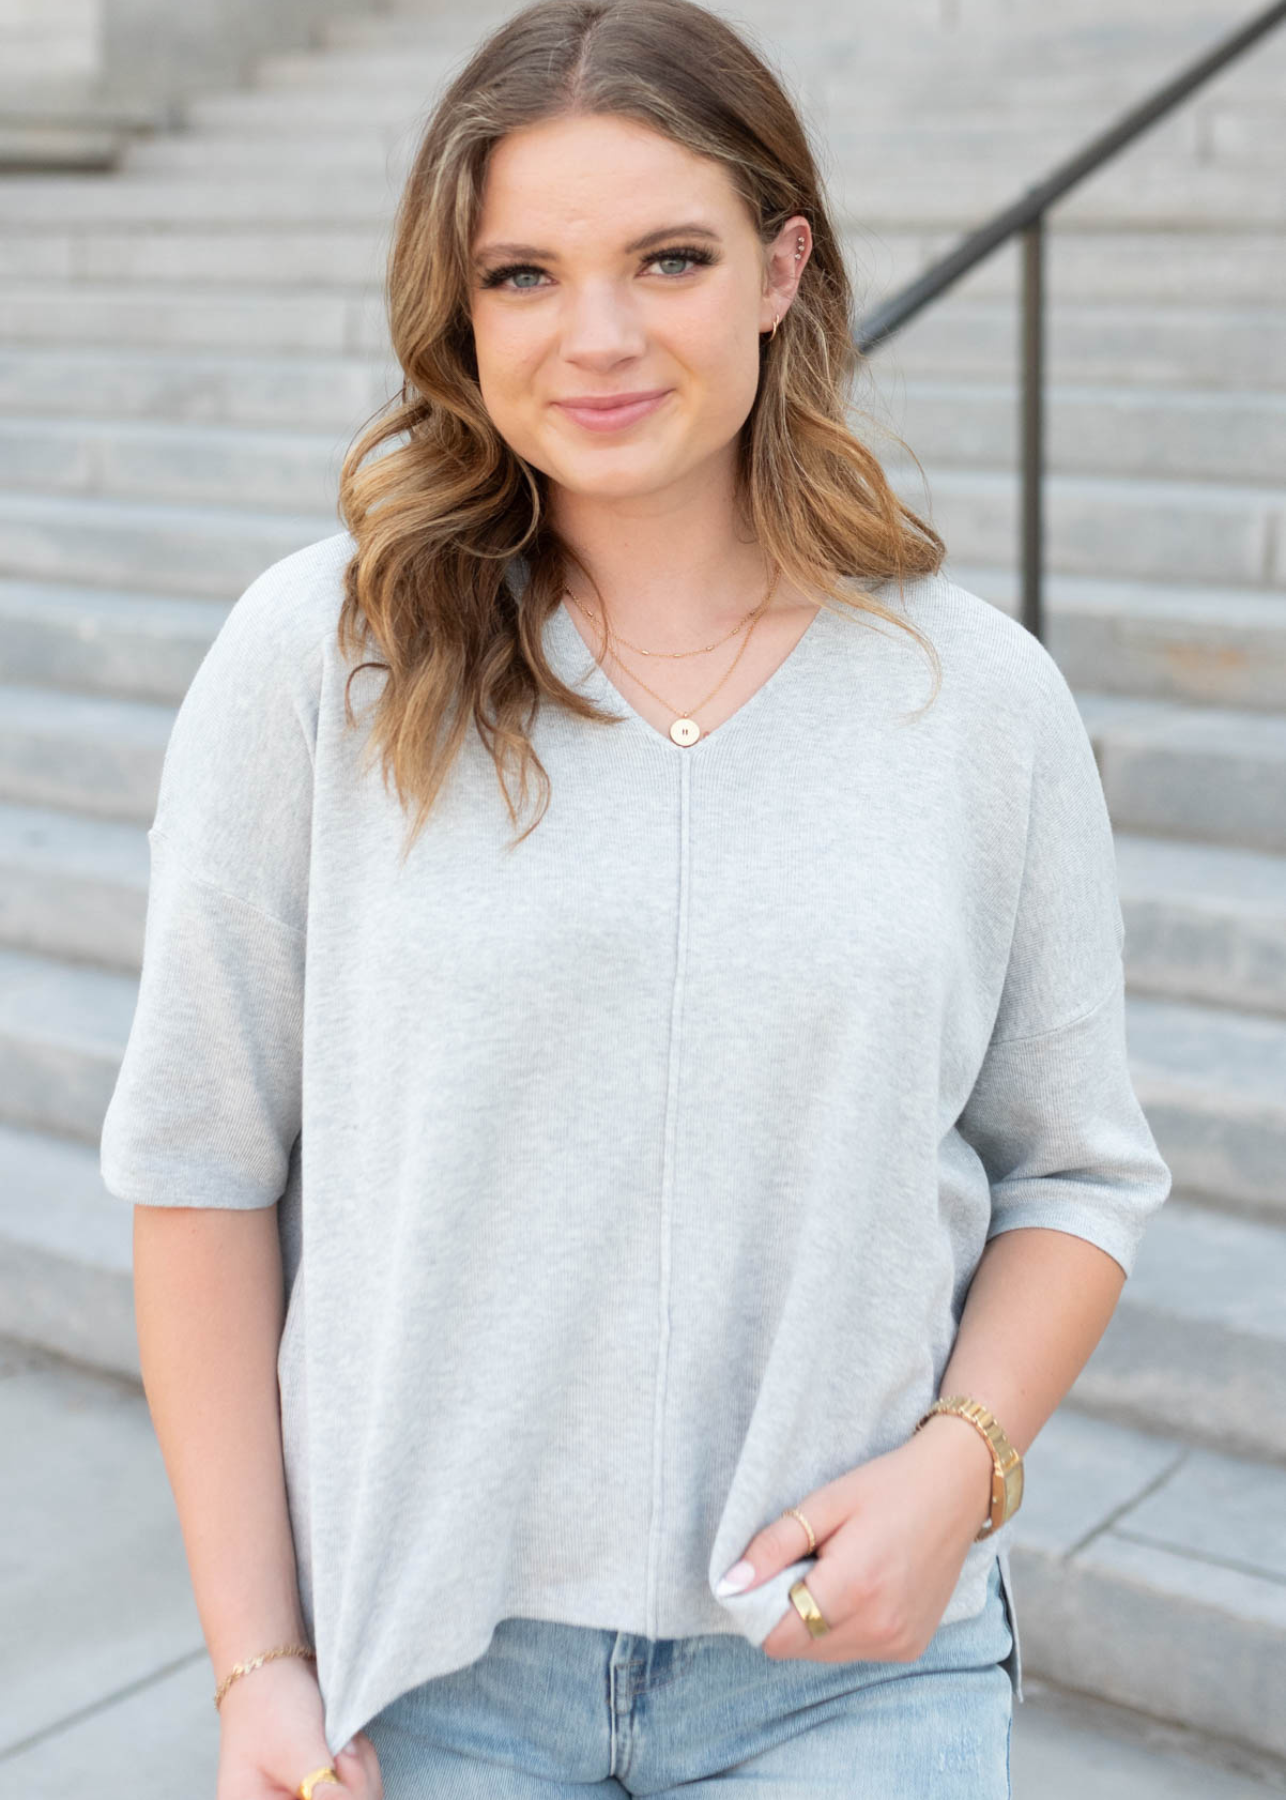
<point>799,251</point>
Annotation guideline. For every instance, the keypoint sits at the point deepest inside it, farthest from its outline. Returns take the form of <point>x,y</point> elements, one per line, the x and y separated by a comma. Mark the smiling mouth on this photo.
<point>612,417</point>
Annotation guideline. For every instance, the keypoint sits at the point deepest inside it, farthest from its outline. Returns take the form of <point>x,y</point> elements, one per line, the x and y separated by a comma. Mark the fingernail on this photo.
<point>350,1748</point>
<point>739,1576</point>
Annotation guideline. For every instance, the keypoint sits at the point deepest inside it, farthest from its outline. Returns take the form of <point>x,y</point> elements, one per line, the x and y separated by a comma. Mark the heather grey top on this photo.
<point>631,1181</point>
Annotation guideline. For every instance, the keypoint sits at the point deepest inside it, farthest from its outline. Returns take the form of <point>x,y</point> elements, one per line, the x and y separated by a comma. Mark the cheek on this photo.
<point>506,375</point>
<point>726,362</point>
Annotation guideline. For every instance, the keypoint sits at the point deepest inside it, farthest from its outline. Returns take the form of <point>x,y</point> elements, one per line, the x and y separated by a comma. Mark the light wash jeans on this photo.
<point>553,1711</point>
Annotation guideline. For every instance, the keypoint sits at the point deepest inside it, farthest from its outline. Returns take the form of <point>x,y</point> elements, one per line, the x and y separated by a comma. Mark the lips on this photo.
<point>612,412</point>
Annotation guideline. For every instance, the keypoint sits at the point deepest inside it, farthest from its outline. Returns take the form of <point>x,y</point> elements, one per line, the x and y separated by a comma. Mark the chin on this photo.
<point>619,483</point>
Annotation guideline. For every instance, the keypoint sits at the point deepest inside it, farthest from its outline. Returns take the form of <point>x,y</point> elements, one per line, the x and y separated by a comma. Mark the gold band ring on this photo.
<point>305,1789</point>
<point>808,1610</point>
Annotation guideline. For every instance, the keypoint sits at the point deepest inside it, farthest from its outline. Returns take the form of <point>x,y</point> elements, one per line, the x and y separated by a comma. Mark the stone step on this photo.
<point>406,105</point>
<point>1204,773</point>
<point>105,641</point>
<point>202,552</point>
<point>72,887</point>
<point>1102,342</point>
<point>1222,347</point>
<point>87,314</point>
<point>1255,134</point>
<point>950,193</point>
<point>90,754</point>
<point>1223,134</point>
<point>1187,531</point>
<point>1209,773</point>
<point>66,1252</point>
<point>1153,1573</point>
<point>959,432</point>
<point>918,24</point>
<point>265,470</point>
<point>219,387</point>
<point>1223,647</point>
<point>51,201</point>
<point>1019,143</point>
<point>1201,646</point>
<point>1222,267</point>
<point>1204,923</point>
<point>1145,432</point>
<point>63,1030</point>
<point>1051,64</point>
<point>338,260</point>
<point>1212,1082</point>
<point>1197,1344</point>
<point>1192,533</point>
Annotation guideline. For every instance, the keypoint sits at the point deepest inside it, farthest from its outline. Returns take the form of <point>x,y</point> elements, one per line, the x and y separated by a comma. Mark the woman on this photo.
<point>624,1177</point>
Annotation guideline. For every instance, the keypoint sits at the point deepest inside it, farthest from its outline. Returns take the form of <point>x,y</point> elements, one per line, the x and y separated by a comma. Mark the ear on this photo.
<point>784,262</point>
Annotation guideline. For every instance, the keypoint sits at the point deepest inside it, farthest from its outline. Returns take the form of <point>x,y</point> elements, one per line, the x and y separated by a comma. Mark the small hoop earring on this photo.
<point>776,322</point>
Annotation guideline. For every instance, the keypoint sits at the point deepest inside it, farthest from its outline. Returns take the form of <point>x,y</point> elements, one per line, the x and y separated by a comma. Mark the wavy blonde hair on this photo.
<point>439,518</point>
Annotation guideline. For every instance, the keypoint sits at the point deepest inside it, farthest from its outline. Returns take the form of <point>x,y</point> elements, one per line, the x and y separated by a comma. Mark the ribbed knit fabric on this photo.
<point>631,1181</point>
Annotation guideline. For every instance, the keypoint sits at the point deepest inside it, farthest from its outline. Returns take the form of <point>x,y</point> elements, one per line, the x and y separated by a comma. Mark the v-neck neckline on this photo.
<point>569,652</point>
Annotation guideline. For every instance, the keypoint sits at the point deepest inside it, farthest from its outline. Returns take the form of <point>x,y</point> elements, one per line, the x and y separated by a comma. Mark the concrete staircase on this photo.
<point>186,347</point>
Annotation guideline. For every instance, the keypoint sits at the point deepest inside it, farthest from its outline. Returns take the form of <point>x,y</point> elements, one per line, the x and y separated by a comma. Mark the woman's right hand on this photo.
<point>272,1734</point>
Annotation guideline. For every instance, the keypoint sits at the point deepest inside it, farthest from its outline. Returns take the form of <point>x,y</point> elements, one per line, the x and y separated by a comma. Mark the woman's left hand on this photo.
<point>892,1536</point>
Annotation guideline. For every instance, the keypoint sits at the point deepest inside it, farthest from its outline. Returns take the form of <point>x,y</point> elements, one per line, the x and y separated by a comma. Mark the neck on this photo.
<point>668,574</point>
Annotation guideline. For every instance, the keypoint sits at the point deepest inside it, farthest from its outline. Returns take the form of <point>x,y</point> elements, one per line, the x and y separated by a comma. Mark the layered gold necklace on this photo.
<point>684,728</point>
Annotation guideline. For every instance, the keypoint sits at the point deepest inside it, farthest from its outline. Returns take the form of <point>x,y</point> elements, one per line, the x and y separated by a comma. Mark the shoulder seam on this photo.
<point>1031,1037</point>
<point>261,912</point>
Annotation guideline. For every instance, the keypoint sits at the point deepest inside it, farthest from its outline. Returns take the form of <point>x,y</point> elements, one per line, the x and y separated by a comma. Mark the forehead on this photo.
<point>595,171</point>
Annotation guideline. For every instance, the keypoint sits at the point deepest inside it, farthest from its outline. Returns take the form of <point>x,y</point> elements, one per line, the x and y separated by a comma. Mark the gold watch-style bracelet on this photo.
<point>1006,1463</point>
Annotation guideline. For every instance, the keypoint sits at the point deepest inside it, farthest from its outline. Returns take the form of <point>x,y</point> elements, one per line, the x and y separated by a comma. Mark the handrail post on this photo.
<point>1032,409</point>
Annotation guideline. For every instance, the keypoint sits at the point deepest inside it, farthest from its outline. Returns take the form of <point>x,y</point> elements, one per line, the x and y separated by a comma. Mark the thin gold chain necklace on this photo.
<point>703,650</point>
<point>684,729</point>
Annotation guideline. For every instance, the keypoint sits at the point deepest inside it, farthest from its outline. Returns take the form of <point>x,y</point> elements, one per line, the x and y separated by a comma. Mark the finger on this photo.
<point>785,1539</point>
<point>359,1765</point>
<point>790,1636</point>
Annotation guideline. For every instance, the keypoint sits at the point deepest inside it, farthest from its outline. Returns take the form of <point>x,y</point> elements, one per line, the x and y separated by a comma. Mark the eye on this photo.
<point>498,277</point>
<point>509,272</point>
<point>693,253</point>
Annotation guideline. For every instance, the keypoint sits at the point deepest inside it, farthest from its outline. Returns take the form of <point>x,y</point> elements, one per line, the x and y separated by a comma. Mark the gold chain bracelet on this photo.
<point>244,1668</point>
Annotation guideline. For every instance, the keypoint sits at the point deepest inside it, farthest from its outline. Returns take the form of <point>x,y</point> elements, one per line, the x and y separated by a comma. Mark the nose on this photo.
<point>600,325</point>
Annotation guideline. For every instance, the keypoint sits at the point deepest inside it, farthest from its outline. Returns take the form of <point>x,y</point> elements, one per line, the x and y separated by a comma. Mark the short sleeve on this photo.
<point>206,1105</point>
<point>1053,1114</point>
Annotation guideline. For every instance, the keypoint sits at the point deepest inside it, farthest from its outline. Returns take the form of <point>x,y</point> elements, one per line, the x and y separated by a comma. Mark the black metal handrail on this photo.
<point>1027,215</point>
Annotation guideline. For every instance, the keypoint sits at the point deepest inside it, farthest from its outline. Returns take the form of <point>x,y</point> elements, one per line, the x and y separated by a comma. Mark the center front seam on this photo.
<point>655,1538</point>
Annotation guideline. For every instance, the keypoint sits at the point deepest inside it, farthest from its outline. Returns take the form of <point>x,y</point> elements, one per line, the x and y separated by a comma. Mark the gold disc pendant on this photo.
<point>685,731</point>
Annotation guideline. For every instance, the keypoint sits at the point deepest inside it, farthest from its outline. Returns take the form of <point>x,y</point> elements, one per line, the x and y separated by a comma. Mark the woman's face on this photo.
<point>568,301</point>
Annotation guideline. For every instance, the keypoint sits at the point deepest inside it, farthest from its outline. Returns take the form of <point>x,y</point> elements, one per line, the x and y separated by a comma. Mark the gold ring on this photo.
<point>808,1610</point>
<point>793,1512</point>
<point>305,1789</point>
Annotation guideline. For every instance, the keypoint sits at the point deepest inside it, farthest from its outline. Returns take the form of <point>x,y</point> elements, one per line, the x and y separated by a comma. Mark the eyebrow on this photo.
<point>692,229</point>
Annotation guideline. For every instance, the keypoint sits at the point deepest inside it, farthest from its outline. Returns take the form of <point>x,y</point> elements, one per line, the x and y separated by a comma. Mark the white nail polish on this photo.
<point>739,1576</point>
